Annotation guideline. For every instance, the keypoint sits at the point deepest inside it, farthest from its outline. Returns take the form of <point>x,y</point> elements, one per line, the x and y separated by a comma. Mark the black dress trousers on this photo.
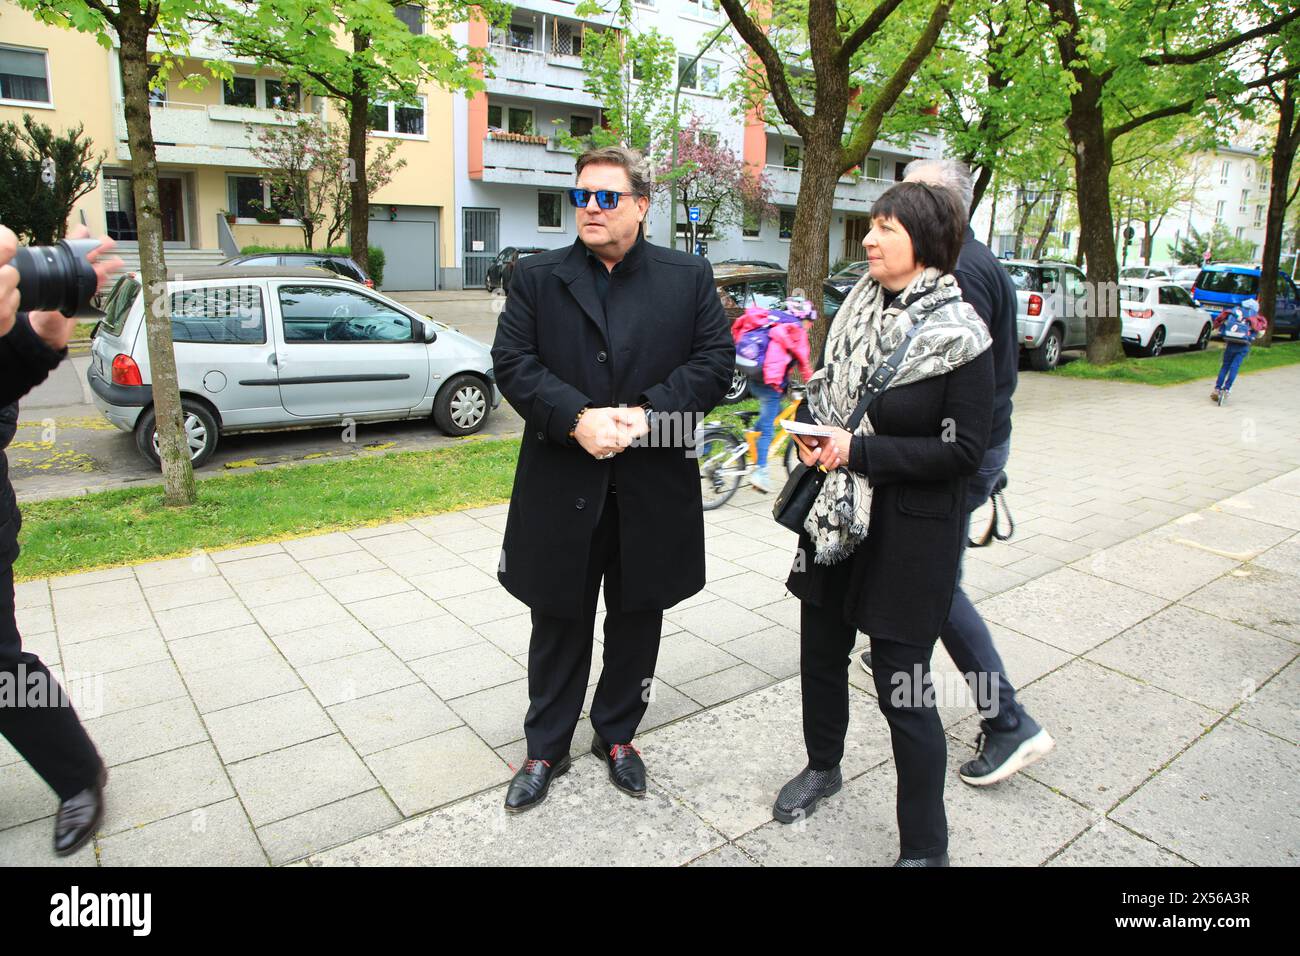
<point>49,737</point>
<point>559,657</point>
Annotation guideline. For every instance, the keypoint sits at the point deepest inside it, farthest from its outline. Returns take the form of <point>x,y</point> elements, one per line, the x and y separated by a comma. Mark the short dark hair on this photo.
<point>933,218</point>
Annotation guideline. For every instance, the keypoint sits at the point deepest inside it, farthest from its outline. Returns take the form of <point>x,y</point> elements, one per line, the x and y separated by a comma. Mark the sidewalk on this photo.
<point>358,698</point>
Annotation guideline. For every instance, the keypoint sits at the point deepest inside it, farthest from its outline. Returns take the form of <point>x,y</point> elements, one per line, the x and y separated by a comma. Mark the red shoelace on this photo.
<point>616,751</point>
<point>530,763</point>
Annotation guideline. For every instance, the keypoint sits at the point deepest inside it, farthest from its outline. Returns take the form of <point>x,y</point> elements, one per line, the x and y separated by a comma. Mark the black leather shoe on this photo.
<point>79,816</point>
<point>626,768</point>
<point>799,798</point>
<point>531,783</point>
<point>940,860</point>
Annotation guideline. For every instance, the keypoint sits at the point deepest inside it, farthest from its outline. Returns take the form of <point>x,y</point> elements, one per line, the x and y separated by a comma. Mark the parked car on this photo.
<point>763,263</point>
<point>1184,276</point>
<point>1051,309</point>
<point>1225,286</point>
<point>740,286</point>
<point>845,279</point>
<point>1144,272</point>
<point>1158,313</point>
<point>502,269</point>
<point>262,348</point>
<point>340,265</point>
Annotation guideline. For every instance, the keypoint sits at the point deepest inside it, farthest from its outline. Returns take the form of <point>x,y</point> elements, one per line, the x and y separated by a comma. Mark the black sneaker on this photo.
<point>910,863</point>
<point>1004,752</point>
<point>865,660</point>
<point>799,798</point>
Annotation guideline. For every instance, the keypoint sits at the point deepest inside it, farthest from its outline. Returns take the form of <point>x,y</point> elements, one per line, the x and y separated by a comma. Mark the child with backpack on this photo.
<point>1241,326</point>
<point>768,343</point>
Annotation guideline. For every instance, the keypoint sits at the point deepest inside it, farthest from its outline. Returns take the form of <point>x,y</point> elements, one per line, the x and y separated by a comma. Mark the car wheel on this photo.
<point>1156,345</point>
<point>739,389</point>
<point>462,406</point>
<point>1046,356</point>
<point>201,433</point>
<point>1203,341</point>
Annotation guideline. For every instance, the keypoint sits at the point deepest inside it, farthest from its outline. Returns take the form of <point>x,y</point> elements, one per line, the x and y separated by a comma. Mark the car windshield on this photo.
<point>1134,293</point>
<point>1025,278</point>
<point>119,304</point>
<point>1228,283</point>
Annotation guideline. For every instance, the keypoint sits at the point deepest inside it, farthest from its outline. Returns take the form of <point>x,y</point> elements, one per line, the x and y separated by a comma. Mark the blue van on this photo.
<point>1223,286</point>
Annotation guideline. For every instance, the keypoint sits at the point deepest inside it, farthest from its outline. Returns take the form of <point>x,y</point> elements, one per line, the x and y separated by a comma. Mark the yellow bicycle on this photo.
<point>726,458</point>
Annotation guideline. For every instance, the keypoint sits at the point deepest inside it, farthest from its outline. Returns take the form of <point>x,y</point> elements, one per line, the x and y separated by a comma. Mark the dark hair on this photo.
<point>631,161</point>
<point>933,218</point>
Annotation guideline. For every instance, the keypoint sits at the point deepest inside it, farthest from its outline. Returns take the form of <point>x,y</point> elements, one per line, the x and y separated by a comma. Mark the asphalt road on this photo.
<point>64,446</point>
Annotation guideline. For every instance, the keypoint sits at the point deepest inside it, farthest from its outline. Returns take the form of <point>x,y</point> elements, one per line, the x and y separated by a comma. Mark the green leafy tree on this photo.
<point>1217,245</point>
<point>42,176</point>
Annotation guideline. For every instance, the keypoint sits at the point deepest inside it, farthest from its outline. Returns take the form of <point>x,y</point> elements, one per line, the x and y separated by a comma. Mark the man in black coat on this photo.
<point>36,716</point>
<point>1010,738</point>
<point>609,349</point>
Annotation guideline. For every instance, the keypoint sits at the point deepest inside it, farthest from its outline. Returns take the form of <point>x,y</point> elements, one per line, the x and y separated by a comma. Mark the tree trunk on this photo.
<point>812,225</point>
<point>981,184</point>
<point>1048,225</point>
<point>133,58</point>
<point>993,217</point>
<point>1092,164</point>
<point>1026,210</point>
<point>1284,152</point>
<point>358,120</point>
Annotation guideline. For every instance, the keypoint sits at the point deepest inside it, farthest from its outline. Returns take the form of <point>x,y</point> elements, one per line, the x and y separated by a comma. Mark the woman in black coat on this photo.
<point>880,550</point>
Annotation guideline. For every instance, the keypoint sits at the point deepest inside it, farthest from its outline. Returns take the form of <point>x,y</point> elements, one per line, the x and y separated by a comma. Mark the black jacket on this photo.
<point>25,362</point>
<point>898,583</point>
<point>989,290</point>
<point>661,338</point>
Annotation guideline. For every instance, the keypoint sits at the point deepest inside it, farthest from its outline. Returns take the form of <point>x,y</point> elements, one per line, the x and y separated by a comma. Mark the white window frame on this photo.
<point>532,118</point>
<point>1220,209</point>
<point>779,214</point>
<point>1224,171</point>
<point>49,81</point>
<point>502,41</point>
<point>266,201</point>
<point>259,92</point>
<point>392,117</point>
<point>560,197</point>
<point>1245,202</point>
<point>796,146</point>
<point>700,64</point>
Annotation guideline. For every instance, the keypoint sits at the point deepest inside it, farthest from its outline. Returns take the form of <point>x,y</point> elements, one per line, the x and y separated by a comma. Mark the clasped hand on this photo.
<point>829,452</point>
<point>604,432</point>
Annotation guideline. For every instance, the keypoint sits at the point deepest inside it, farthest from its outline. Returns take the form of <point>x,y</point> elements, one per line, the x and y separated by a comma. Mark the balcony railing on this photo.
<point>852,195</point>
<point>527,164</point>
<point>205,133</point>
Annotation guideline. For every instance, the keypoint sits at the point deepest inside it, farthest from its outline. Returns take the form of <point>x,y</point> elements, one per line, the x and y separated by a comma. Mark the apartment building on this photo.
<point>510,171</point>
<point>207,169</point>
<point>1231,188</point>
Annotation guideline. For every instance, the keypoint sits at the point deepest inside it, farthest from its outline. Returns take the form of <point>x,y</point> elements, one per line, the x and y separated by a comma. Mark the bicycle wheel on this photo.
<point>791,456</point>
<point>721,457</point>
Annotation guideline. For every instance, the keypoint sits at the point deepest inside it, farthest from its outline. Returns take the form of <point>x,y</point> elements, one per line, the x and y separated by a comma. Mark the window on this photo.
<point>1245,199</point>
<point>709,139</point>
<point>1224,170</point>
<point>873,167</point>
<point>412,15</point>
<point>751,225</point>
<point>767,294</point>
<point>520,36</point>
<point>521,121</point>
<point>24,75</point>
<point>403,120</point>
<point>566,39</point>
<point>229,315</point>
<point>790,156</point>
<point>548,212</point>
<point>638,68</point>
<point>581,125</point>
<point>1259,216</point>
<point>702,75</point>
<point>327,314</point>
<point>157,94</point>
<point>1263,175</point>
<point>1219,210</point>
<point>786,226</point>
<point>282,96</point>
<point>494,116</point>
<point>239,91</point>
<point>1241,232</point>
<point>246,195</point>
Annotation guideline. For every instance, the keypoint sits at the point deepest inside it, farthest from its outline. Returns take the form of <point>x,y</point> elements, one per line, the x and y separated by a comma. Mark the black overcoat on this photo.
<point>930,437</point>
<point>661,338</point>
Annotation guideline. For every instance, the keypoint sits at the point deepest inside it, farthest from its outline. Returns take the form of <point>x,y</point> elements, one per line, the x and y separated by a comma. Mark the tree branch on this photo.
<point>758,41</point>
<point>866,29</point>
<point>1198,56</point>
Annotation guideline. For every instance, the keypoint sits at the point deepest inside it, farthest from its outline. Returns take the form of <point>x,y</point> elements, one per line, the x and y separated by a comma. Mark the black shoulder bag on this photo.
<point>804,484</point>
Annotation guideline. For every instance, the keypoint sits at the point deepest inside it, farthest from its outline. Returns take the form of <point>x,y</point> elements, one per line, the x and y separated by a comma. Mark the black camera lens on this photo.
<point>56,277</point>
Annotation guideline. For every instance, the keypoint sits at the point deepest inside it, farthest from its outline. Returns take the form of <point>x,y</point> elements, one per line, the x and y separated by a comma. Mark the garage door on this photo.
<point>410,244</point>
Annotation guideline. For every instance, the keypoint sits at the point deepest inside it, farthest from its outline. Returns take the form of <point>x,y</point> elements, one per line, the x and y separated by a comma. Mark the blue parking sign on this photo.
<point>693,213</point>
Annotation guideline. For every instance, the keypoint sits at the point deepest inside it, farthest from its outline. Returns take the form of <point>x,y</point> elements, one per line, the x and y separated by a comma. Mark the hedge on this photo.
<point>376,256</point>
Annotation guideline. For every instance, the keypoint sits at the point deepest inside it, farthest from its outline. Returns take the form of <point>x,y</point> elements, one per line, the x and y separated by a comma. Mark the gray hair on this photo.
<point>949,173</point>
<point>632,161</point>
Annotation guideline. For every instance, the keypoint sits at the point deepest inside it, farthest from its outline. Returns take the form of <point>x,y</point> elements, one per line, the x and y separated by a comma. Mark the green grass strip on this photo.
<point>1174,368</point>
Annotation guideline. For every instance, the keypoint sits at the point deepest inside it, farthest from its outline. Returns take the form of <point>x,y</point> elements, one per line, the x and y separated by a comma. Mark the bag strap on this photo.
<point>881,377</point>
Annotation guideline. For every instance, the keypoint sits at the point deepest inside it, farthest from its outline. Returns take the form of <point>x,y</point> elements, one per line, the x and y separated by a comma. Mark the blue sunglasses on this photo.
<point>605,198</point>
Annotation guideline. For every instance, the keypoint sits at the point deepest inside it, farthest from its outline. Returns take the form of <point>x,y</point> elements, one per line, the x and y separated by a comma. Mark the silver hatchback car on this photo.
<point>268,348</point>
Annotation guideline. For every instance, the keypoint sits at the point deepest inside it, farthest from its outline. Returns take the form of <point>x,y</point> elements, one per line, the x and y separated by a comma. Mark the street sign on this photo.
<point>693,213</point>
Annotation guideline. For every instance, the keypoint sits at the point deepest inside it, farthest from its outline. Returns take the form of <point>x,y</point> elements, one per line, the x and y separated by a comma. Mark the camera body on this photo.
<point>56,277</point>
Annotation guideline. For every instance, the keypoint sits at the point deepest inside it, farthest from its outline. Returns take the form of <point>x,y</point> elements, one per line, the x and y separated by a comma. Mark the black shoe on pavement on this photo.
<point>940,860</point>
<point>626,768</point>
<point>1004,752</point>
<point>531,783</point>
<point>79,816</point>
<point>865,660</point>
<point>799,798</point>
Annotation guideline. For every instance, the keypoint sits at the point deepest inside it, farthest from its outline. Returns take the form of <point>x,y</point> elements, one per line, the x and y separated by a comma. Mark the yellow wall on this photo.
<point>79,85</point>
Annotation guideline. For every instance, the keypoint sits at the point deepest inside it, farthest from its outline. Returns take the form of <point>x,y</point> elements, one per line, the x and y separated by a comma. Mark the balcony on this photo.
<point>205,134</point>
<point>850,196</point>
<point>527,164</point>
<point>536,75</point>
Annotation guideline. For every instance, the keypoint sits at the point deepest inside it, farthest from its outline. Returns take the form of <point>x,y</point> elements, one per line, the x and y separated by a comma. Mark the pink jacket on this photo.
<point>787,342</point>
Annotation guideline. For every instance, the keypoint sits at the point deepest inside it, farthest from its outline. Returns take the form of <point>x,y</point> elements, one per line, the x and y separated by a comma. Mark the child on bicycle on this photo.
<point>787,344</point>
<point>1241,326</point>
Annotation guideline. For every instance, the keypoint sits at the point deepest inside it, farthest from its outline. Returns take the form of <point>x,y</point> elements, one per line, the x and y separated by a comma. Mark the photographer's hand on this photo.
<point>8,280</point>
<point>55,327</point>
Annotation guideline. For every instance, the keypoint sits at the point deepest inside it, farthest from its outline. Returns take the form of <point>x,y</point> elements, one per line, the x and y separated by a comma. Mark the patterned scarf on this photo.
<point>863,335</point>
